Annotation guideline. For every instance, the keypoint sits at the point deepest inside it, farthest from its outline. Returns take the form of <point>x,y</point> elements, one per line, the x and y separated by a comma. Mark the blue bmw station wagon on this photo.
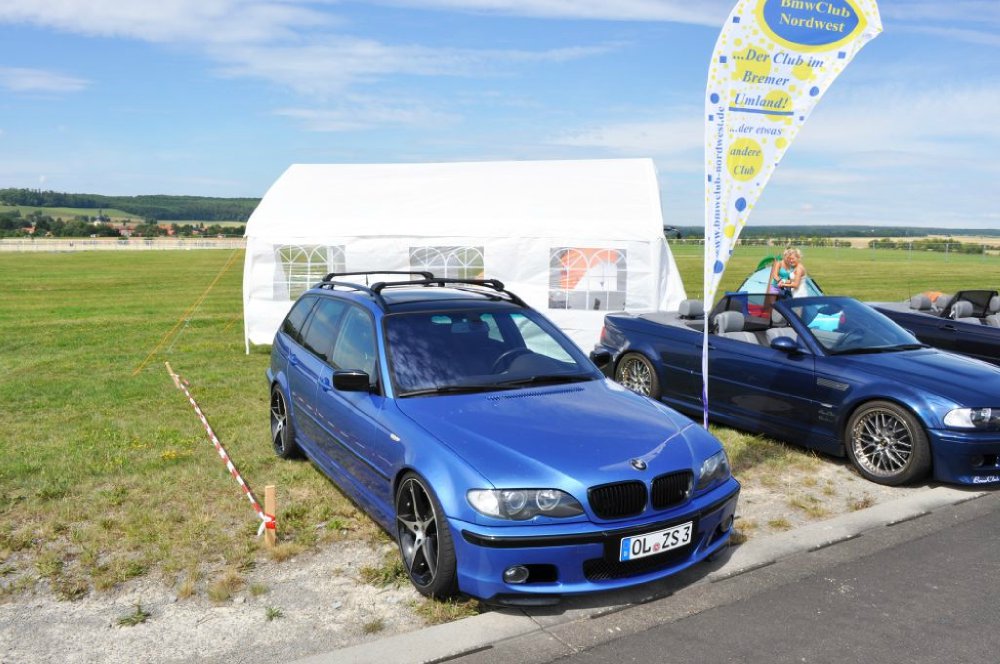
<point>496,453</point>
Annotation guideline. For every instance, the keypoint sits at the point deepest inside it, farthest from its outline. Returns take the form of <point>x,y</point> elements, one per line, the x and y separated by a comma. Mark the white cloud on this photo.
<point>330,67</point>
<point>16,79</point>
<point>188,21</point>
<point>358,113</point>
<point>956,11</point>
<point>288,42</point>
<point>657,138</point>
<point>700,12</point>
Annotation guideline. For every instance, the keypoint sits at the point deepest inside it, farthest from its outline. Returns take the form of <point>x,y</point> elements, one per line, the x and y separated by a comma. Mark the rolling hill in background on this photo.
<point>152,208</point>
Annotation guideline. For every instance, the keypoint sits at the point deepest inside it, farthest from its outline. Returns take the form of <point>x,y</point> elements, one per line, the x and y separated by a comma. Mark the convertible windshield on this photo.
<point>843,326</point>
<point>473,351</point>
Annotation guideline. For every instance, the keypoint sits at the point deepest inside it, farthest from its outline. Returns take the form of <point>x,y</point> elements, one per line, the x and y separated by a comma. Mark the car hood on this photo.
<point>958,378</point>
<point>560,435</point>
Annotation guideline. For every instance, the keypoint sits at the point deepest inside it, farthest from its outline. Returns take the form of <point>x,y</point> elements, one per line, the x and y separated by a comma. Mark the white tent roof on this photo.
<point>575,239</point>
<point>611,199</point>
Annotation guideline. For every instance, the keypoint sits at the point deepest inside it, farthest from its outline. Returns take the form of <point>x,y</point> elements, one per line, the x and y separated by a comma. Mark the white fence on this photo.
<point>115,244</point>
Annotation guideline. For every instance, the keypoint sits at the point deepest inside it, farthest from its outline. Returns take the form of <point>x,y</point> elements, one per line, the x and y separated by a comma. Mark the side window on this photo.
<point>538,340</point>
<point>296,317</point>
<point>355,347</point>
<point>322,328</point>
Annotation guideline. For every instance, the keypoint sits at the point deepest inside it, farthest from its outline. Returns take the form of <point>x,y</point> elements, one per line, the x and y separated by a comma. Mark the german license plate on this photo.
<point>650,544</point>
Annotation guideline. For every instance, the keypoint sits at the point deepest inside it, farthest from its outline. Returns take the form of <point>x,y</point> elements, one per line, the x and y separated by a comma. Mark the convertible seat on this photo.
<point>730,325</point>
<point>689,309</point>
<point>942,301</point>
<point>779,328</point>
<point>920,302</point>
<point>961,312</point>
<point>993,312</point>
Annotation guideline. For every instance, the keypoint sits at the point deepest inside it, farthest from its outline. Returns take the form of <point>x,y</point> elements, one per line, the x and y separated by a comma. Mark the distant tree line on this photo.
<point>943,246</point>
<point>794,233</point>
<point>149,208</point>
<point>14,224</point>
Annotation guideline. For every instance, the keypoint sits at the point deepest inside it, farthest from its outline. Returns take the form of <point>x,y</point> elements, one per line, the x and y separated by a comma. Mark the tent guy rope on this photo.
<point>186,316</point>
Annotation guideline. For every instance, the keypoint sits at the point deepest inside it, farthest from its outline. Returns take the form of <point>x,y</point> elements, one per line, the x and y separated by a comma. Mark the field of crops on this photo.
<point>105,473</point>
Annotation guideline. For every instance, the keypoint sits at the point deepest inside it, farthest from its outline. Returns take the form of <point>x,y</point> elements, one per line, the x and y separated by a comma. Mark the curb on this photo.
<point>462,637</point>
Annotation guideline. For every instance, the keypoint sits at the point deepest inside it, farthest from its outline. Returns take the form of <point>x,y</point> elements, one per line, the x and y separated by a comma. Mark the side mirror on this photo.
<point>601,358</point>
<point>351,381</point>
<point>785,344</point>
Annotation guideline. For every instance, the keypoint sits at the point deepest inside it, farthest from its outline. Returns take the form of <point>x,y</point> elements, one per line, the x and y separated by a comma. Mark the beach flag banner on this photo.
<point>772,63</point>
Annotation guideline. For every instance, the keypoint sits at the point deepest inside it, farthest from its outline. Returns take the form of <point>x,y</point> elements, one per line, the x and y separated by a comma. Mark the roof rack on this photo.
<point>494,284</point>
<point>334,275</point>
<point>328,282</point>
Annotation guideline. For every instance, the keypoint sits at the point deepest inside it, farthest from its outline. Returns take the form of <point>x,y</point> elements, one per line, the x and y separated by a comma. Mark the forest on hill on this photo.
<point>151,208</point>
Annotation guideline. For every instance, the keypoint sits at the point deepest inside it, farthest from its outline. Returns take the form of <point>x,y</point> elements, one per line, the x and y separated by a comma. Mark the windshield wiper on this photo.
<point>453,389</point>
<point>878,349</point>
<point>546,379</point>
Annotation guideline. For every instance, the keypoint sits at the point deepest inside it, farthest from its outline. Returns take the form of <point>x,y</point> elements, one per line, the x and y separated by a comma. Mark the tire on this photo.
<point>282,433</point>
<point>637,373</point>
<point>887,444</point>
<point>424,539</point>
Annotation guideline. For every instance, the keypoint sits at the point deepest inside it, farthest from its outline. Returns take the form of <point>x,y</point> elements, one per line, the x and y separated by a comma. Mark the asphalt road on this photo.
<point>925,590</point>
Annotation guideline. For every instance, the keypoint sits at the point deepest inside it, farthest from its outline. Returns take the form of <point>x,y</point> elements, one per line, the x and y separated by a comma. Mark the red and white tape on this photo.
<point>266,520</point>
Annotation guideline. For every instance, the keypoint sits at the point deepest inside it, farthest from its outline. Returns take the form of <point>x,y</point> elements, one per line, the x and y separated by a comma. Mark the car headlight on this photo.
<point>714,470</point>
<point>973,418</point>
<point>522,504</point>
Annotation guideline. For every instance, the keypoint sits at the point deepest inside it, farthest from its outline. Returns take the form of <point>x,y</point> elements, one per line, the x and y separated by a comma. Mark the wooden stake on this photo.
<point>270,507</point>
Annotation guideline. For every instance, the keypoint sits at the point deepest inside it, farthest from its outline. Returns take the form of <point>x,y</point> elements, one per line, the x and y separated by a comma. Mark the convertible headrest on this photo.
<point>943,300</point>
<point>994,305</point>
<point>691,309</point>
<point>961,309</point>
<point>729,321</point>
<point>777,320</point>
<point>920,302</point>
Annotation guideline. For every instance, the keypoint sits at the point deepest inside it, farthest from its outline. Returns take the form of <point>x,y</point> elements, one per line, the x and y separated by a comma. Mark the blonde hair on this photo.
<point>792,251</point>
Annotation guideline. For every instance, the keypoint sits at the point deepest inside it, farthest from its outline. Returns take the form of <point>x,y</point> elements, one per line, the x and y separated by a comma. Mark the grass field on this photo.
<point>69,213</point>
<point>106,474</point>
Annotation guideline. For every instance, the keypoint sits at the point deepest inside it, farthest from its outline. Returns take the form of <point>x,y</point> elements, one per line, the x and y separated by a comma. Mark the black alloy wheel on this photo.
<point>282,435</point>
<point>424,539</point>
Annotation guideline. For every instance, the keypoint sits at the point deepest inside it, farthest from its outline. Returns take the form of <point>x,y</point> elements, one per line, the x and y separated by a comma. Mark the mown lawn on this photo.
<point>106,474</point>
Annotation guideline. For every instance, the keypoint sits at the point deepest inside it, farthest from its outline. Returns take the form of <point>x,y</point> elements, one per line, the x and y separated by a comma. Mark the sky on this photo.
<point>219,97</point>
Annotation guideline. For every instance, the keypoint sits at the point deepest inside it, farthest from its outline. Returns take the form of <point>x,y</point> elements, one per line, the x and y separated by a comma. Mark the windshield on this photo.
<point>842,326</point>
<point>471,351</point>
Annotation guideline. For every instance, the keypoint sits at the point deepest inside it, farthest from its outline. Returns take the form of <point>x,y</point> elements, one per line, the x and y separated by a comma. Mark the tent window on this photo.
<point>299,267</point>
<point>449,262</point>
<point>587,278</point>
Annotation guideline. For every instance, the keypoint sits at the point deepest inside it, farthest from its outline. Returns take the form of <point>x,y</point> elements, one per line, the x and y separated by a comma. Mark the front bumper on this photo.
<point>971,458</point>
<point>583,557</point>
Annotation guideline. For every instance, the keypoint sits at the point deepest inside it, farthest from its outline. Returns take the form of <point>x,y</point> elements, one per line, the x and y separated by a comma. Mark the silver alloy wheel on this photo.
<point>418,531</point>
<point>882,442</point>
<point>279,422</point>
<point>635,374</point>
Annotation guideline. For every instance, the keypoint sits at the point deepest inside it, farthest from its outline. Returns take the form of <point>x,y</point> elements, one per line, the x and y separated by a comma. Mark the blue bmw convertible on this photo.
<point>828,373</point>
<point>503,462</point>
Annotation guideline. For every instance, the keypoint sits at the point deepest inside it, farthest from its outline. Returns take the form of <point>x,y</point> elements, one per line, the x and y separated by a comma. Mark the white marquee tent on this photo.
<point>575,239</point>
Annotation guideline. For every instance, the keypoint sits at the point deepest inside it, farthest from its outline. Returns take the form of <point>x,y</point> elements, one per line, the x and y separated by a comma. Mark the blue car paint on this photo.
<point>555,436</point>
<point>808,397</point>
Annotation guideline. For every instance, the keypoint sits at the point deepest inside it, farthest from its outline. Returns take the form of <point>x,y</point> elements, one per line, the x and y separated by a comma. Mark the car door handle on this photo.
<point>293,360</point>
<point>949,327</point>
<point>325,383</point>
